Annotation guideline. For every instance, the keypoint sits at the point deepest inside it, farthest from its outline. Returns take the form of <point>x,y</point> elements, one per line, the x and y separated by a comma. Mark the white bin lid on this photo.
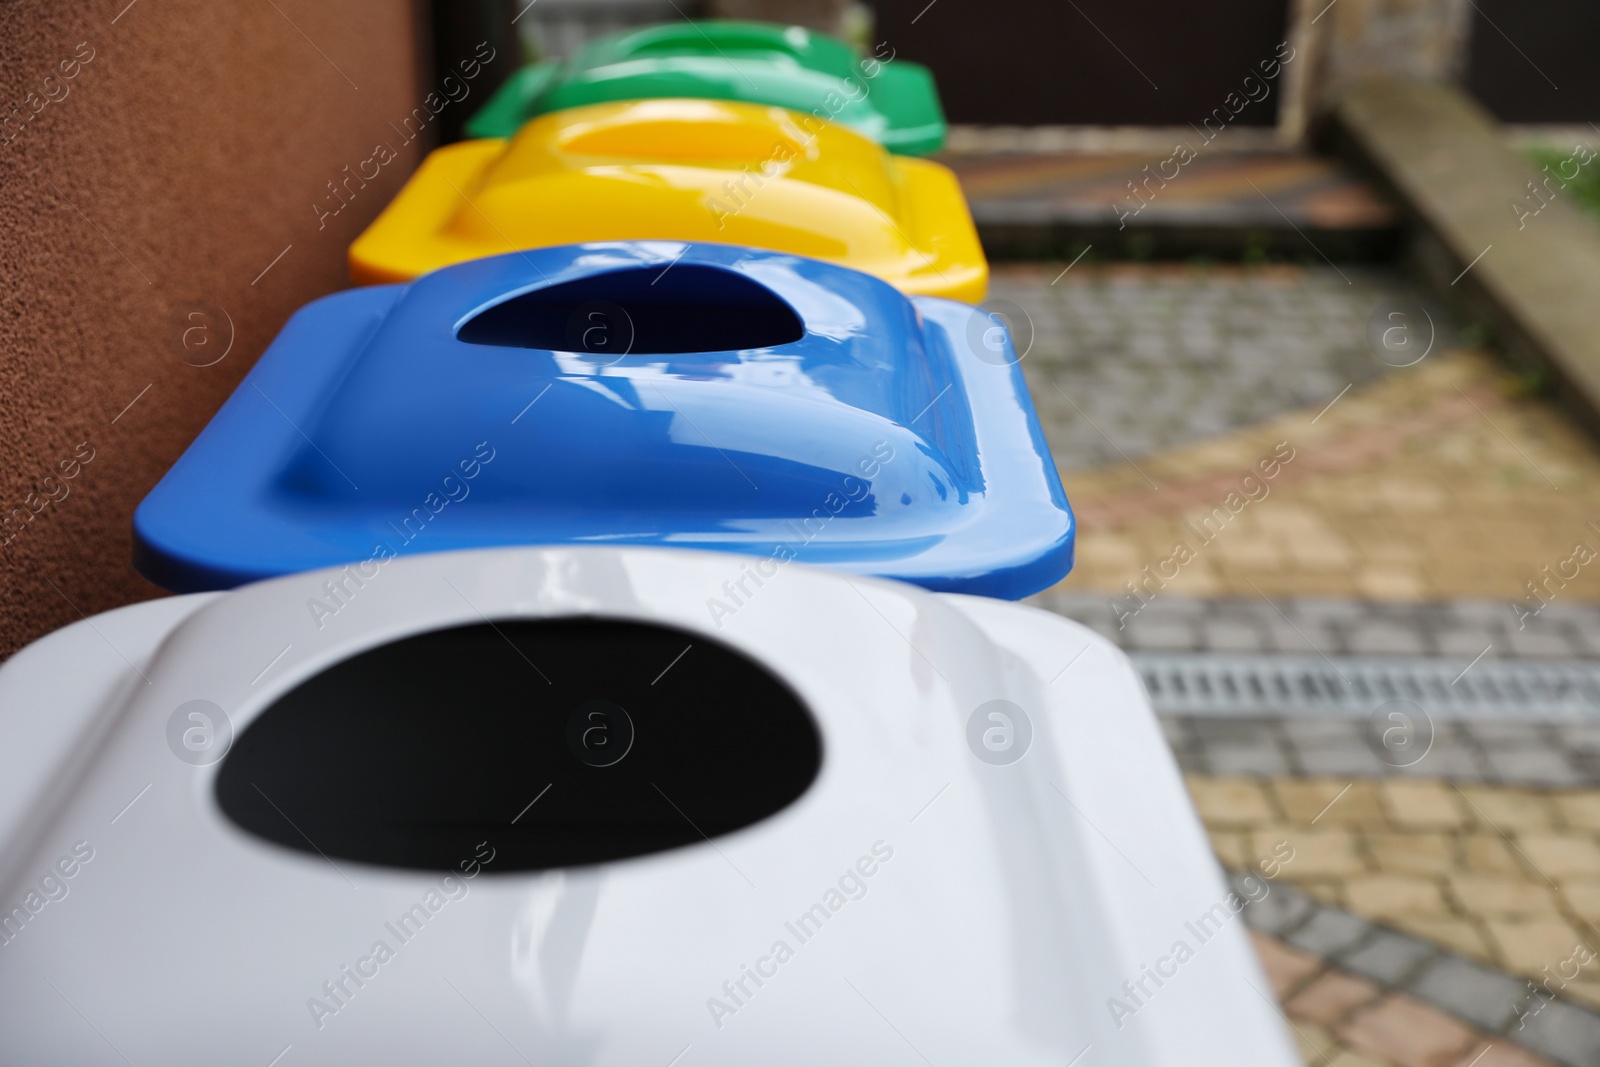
<point>1008,899</point>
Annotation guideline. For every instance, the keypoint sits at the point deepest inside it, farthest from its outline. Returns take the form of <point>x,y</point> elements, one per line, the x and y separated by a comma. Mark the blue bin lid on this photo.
<point>643,392</point>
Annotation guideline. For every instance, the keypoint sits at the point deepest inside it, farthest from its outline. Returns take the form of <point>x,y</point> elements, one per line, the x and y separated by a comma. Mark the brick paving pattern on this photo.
<point>1335,626</point>
<point>1340,1019</point>
<point>1337,974</point>
<point>1506,877</point>
<point>1161,388</point>
<point>1544,755</point>
<point>1160,356</point>
<point>1250,480</point>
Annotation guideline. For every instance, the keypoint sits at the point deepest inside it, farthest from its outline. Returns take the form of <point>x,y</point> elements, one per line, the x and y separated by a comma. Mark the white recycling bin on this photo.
<point>546,806</point>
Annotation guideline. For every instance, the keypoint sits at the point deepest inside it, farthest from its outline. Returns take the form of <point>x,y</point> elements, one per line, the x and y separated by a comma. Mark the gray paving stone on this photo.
<point>1356,762</point>
<point>1176,731</point>
<point>1563,1032</point>
<point>1167,358</point>
<point>1161,636</point>
<point>1455,629</point>
<point>1229,728</point>
<point>1340,731</point>
<point>1387,957</point>
<point>1503,735</point>
<point>1579,735</point>
<point>1255,759</point>
<point>1176,609</point>
<point>1445,763</point>
<point>1482,612</point>
<point>1224,636</point>
<point>1542,767</point>
<point>1328,609</point>
<point>1486,998</point>
<point>1283,908</point>
<point>1466,642</point>
<point>1385,639</point>
<point>1328,931</point>
<point>1550,644</point>
<point>1301,637</point>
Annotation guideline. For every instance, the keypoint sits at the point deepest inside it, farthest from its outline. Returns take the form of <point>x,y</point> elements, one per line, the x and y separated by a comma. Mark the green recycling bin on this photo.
<point>893,101</point>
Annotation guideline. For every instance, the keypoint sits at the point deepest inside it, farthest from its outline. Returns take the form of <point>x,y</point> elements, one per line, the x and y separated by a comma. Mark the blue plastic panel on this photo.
<point>661,393</point>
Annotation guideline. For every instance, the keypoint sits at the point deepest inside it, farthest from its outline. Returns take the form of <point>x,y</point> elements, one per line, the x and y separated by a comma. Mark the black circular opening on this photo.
<point>556,742</point>
<point>677,308</point>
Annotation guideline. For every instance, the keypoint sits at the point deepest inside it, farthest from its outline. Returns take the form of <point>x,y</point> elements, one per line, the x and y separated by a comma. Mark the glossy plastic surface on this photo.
<point>991,910</point>
<point>893,101</point>
<point>868,431</point>
<point>683,170</point>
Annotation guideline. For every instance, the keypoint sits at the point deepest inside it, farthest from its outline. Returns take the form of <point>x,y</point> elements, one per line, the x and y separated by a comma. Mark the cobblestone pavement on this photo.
<point>1253,486</point>
<point>1544,755</point>
<point>1127,360</point>
<point>1162,388</point>
<point>1562,629</point>
<point>1436,483</point>
<point>1340,1017</point>
<point>1507,877</point>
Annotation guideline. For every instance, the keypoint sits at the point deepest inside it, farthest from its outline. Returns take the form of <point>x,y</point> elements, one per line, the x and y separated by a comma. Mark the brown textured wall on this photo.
<point>184,153</point>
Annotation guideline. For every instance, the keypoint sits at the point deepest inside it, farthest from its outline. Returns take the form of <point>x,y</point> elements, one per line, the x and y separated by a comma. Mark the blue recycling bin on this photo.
<point>626,393</point>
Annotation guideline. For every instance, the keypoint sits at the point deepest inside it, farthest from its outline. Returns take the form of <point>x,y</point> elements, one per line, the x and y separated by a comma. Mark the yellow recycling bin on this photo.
<point>683,170</point>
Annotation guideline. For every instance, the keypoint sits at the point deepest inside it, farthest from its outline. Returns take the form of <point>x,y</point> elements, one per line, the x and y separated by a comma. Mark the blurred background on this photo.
<point>1308,295</point>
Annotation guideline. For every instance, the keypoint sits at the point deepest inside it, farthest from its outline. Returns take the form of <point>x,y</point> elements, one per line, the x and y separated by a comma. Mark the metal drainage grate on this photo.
<point>1210,684</point>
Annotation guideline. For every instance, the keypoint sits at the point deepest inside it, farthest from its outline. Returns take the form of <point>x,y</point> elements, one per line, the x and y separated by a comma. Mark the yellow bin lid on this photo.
<point>683,170</point>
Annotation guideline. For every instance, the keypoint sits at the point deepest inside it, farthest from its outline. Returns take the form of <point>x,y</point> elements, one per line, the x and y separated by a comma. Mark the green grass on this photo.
<point>1585,188</point>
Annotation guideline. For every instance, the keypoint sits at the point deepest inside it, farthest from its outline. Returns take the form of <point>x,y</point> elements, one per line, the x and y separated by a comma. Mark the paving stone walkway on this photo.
<point>1506,877</point>
<point>1336,626</point>
<point>1254,486</point>
<point>1444,480</point>
<point>1540,755</point>
<point>1126,360</point>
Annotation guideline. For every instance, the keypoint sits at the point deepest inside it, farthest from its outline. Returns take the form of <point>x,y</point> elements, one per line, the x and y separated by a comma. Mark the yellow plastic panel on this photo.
<point>683,170</point>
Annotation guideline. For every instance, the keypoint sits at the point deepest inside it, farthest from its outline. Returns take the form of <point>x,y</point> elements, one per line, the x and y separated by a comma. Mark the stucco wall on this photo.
<point>183,152</point>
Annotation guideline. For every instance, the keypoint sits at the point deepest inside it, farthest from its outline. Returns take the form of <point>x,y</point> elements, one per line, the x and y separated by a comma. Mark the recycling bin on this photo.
<point>683,170</point>
<point>534,797</point>
<point>671,393</point>
<point>890,100</point>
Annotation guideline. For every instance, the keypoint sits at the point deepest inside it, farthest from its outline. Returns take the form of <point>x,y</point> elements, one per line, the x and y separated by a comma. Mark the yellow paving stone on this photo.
<point>1527,947</point>
<point>1294,519</point>
<point>1313,1041</point>
<point>1318,852</point>
<point>1326,892</point>
<point>1584,992</point>
<point>1583,896</point>
<point>1421,804</point>
<point>1416,853</point>
<point>1399,552</point>
<point>1114,551</point>
<point>1330,801</point>
<point>1384,896</point>
<point>1490,853</point>
<point>1231,801</point>
<point>1318,553</point>
<point>1391,583</point>
<point>1513,811</point>
<point>1231,848</point>
<point>1501,896</point>
<point>1459,935</point>
<point>1579,810</point>
<point>1558,854</point>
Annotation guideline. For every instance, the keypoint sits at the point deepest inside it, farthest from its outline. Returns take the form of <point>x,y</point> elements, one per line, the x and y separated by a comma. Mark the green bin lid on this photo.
<point>892,101</point>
